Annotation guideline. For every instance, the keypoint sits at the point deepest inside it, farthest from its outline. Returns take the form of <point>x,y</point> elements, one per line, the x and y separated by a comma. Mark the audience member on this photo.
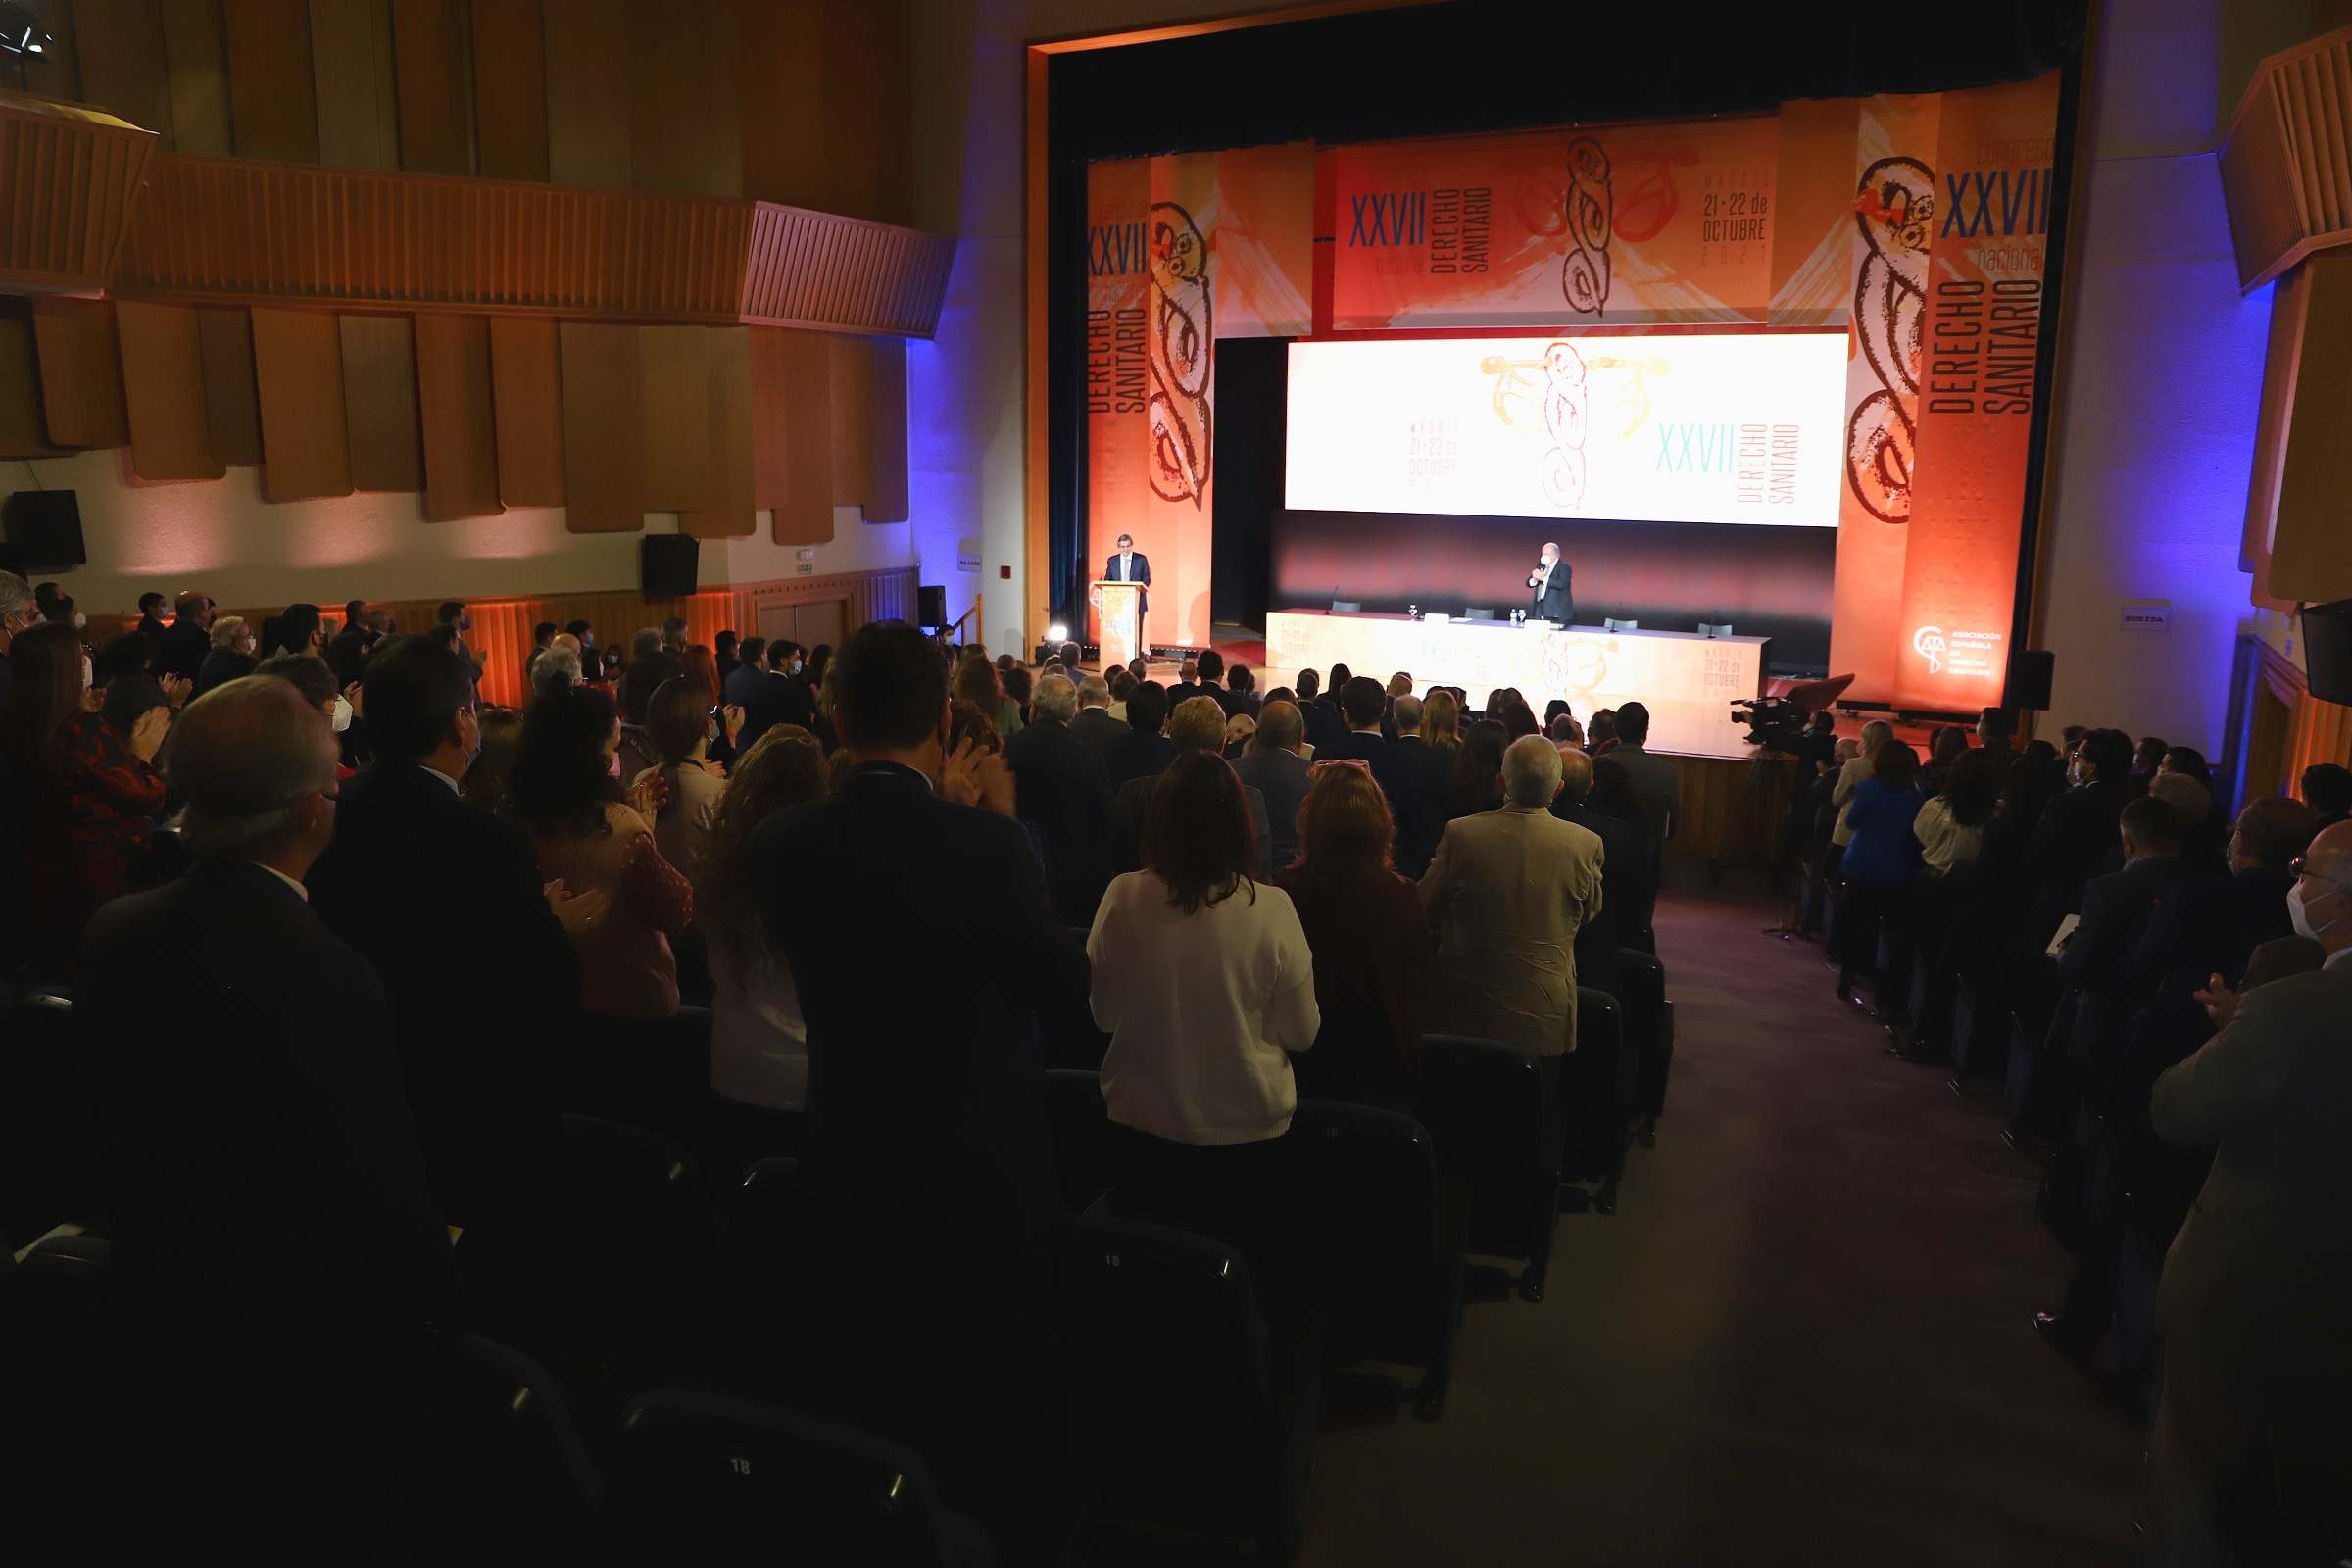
<point>1187,683</point>
<point>282,1272</point>
<point>1423,781</point>
<point>1371,944</point>
<point>1506,894</point>
<point>543,637</point>
<point>1476,782</point>
<point>2204,836</point>
<point>723,656</point>
<point>680,728</point>
<point>1062,788</point>
<point>2210,925</point>
<point>759,1042</point>
<point>2116,911</point>
<point>1600,735</point>
<point>1196,725</point>
<point>1096,724</point>
<point>1273,768</point>
<point>1239,727</point>
<point>554,671</point>
<point>300,630</point>
<point>446,904</point>
<point>743,684</point>
<point>1143,751</point>
<point>150,629</point>
<point>1951,824</point>
<point>232,654</point>
<point>926,1130</point>
<point>2076,835</point>
<point>1623,894</point>
<point>183,649</point>
<point>1996,729</point>
<point>981,684</point>
<point>1120,685</point>
<point>2327,790</point>
<point>673,637</point>
<point>1442,722</point>
<point>1881,856</point>
<point>1015,713</point>
<point>1212,668</point>
<point>484,786</point>
<point>1325,727</point>
<point>1242,687</point>
<point>564,793</point>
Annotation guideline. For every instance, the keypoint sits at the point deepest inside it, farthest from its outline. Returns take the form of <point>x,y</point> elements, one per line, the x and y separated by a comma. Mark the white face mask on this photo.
<point>86,674</point>
<point>2298,911</point>
<point>80,621</point>
<point>340,714</point>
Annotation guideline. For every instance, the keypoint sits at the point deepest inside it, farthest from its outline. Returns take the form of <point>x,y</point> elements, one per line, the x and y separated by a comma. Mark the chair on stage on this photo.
<point>1346,607</point>
<point>1612,624</point>
<point>1476,614</point>
<point>1714,629</point>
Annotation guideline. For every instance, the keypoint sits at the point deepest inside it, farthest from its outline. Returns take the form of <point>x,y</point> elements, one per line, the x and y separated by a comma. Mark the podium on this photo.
<point>1121,604</point>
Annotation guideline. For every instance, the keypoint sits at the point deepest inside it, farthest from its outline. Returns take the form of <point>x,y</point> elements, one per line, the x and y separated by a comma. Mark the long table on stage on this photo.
<point>1687,681</point>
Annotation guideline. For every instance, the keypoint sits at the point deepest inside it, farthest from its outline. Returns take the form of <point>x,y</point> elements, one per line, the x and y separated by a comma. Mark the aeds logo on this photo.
<point>1929,643</point>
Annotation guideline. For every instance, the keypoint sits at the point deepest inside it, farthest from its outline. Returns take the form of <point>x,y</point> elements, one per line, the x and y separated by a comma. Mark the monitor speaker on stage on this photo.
<point>2327,650</point>
<point>669,565</point>
<point>931,606</point>
<point>44,527</point>
<point>2029,684</point>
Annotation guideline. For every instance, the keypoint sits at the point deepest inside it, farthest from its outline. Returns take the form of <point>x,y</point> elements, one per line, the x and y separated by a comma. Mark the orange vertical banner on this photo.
<point>1983,334</point>
<point>1119,380</point>
<point>1179,462</point>
<point>1894,216</point>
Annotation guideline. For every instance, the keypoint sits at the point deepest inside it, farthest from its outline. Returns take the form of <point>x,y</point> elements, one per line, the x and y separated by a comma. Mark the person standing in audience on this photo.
<point>150,627</point>
<point>1242,687</point>
<point>758,1041</point>
<point>926,1125</point>
<point>1656,784</point>
<point>543,637</point>
<point>1875,734</point>
<point>1371,944</point>
<point>673,637</point>
<point>183,647</point>
<point>1622,894</point>
<point>1196,725</point>
<point>1143,751</point>
<point>1018,685</point>
<point>554,669</point>
<point>1096,725</point>
<point>743,682</point>
<point>2327,790</point>
<point>285,1276</point>
<point>1362,705</point>
<point>722,654</point>
<point>2257,1365</point>
<point>2210,925</point>
<point>979,683</point>
<point>1212,668</point>
<point>418,882</point>
<point>1506,894</point>
<point>1187,683</point>
<point>2076,835</point>
<point>232,654</point>
<point>1996,730</point>
<point>1063,790</point>
<point>564,793</point>
<point>484,786</point>
<point>1882,858</point>
<point>1120,686</point>
<point>1420,776</point>
<point>680,728</point>
<point>1951,824</point>
<point>1273,768</point>
<point>1442,722</point>
<point>2204,836</point>
<point>1476,782</point>
<point>300,630</point>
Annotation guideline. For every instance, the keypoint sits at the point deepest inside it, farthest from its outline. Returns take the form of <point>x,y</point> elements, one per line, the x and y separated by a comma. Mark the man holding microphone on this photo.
<point>1550,599</point>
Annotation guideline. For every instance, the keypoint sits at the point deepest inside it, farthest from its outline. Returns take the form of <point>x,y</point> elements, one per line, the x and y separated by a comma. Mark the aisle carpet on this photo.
<point>1803,1338</point>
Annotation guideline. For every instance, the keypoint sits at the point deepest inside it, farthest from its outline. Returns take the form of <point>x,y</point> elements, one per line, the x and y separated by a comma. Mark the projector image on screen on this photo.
<point>1668,427</point>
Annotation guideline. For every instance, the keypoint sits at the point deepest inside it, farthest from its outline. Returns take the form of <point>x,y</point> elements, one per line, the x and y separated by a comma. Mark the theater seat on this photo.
<point>751,1481</point>
<point>1066,1029</point>
<point>1596,1097</point>
<point>514,1448</point>
<point>1369,1205</point>
<point>1648,1029</point>
<point>1482,1101</point>
<point>49,1133</point>
<point>1178,1416</point>
<point>1346,607</point>
<point>1080,1127</point>
<point>62,1411</point>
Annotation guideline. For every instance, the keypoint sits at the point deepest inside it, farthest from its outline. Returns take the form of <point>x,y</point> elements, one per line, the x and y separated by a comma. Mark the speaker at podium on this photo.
<point>1120,605</point>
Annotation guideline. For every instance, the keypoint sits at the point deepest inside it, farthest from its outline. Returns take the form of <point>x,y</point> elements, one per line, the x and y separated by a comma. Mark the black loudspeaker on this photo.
<point>45,527</point>
<point>2029,684</point>
<point>667,564</point>
<point>931,606</point>
<point>2327,650</point>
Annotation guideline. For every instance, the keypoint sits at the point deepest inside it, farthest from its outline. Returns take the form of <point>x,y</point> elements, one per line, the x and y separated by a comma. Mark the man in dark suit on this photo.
<point>1210,667</point>
<point>2117,907</point>
<point>1143,751</point>
<point>723,655</point>
<point>1363,705</point>
<point>1094,724</point>
<point>445,900</point>
<point>2076,835</point>
<point>1129,565</point>
<point>1063,786</point>
<point>1321,710</point>
<point>743,684</point>
<point>1425,785</point>
<point>2327,790</point>
<point>283,1270</point>
<point>926,1129</point>
<point>782,698</point>
<point>1196,725</point>
<point>1549,598</point>
<point>2212,925</point>
<point>1621,872</point>
<point>190,637</point>
<point>1273,768</point>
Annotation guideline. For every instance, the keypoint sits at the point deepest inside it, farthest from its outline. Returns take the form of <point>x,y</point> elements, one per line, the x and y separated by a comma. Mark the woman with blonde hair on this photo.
<point>1442,720</point>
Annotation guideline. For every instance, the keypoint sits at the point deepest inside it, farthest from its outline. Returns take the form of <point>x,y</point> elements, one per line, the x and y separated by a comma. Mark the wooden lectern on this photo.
<point>1121,606</point>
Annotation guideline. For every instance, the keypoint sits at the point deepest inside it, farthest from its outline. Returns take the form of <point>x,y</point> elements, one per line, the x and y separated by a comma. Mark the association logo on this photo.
<point>1929,643</point>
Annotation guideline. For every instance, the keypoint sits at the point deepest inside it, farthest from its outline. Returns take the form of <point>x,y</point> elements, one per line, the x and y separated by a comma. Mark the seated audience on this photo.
<point>564,793</point>
<point>282,1272</point>
<point>1212,668</point>
<point>448,905</point>
<point>1239,727</point>
<point>1272,767</point>
<point>926,1126</point>
<point>230,655</point>
<point>1120,686</point>
<point>1506,894</point>
<point>759,1042</point>
<point>1370,940</point>
<point>1196,725</point>
<point>2146,758</point>
<point>1062,787</point>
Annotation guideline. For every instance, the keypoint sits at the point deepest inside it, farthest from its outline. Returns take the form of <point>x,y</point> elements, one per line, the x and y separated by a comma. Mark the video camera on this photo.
<point>1776,723</point>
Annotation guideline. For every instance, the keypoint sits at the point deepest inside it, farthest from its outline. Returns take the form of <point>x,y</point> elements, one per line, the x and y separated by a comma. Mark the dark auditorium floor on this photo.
<point>1804,1339</point>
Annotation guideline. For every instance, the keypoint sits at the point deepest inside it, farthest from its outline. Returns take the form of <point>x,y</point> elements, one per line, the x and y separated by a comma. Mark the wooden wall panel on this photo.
<point>379,400</point>
<point>273,102</point>
<point>886,500</point>
<point>604,418</point>
<point>23,429</point>
<point>850,372</point>
<point>123,68</point>
<point>675,394</point>
<point>434,43</point>
<point>588,72</point>
<point>793,430</point>
<point>731,513</point>
<point>163,384</point>
<point>81,372</point>
<point>684,132</point>
<point>232,406</point>
<point>2311,549</point>
<point>509,89</point>
<point>72,183</point>
<point>526,391</point>
<point>458,412</point>
<point>351,68</point>
<point>196,56</point>
<point>298,370</point>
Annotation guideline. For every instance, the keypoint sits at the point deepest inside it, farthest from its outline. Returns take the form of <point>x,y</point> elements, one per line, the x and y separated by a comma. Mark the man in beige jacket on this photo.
<point>1505,895</point>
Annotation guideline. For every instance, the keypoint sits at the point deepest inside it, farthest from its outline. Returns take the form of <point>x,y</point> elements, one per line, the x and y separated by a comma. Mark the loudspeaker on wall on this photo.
<point>669,565</point>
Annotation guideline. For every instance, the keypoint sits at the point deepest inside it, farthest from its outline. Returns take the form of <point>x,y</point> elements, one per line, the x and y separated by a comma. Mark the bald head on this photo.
<point>2330,853</point>
<point>1575,775</point>
<point>256,763</point>
<point>2325,889</point>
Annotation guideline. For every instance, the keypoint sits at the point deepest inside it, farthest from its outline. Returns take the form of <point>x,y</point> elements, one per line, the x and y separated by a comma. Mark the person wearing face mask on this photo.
<point>308,674</point>
<point>783,698</point>
<point>232,654</point>
<point>1548,596</point>
<point>448,904</point>
<point>926,1130</point>
<point>2257,1365</point>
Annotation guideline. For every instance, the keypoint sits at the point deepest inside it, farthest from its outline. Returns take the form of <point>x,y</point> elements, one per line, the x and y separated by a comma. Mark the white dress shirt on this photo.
<point>758,1041</point>
<point>1126,566</point>
<point>1201,1010</point>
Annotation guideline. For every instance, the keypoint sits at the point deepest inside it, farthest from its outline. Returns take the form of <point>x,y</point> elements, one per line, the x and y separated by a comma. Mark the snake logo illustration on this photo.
<point>1895,207</point>
<point>1180,347</point>
<point>1566,416</point>
<point>1584,275</point>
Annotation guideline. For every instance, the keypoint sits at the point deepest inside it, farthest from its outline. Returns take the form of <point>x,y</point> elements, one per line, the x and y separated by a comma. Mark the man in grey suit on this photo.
<point>1095,724</point>
<point>2257,1362</point>
<point>1274,769</point>
<point>1657,787</point>
<point>1506,894</point>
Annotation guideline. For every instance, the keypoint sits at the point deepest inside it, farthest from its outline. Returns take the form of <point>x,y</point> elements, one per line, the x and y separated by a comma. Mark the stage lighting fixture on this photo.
<point>1057,634</point>
<point>20,31</point>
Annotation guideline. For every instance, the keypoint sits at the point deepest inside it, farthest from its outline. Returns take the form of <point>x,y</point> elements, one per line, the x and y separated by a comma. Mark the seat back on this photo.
<point>807,1490</point>
<point>1367,1189</point>
<point>1477,612</point>
<point>514,1444</point>
<point>1164,1381</point>
<point>1066,1029</point>
<point>1641,993</point>
<point>1621,625</point>
<point>1597,1089</point>
<point>1080,1127</point>
<point>1346,607</point>
<point>1483,1102</point>
<point>50,1137</point>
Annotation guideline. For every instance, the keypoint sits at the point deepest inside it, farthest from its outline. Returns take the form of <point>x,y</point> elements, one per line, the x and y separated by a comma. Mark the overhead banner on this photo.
<point>1674,427</point>
<point>1980,342</point>
<point>1612,223</point>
